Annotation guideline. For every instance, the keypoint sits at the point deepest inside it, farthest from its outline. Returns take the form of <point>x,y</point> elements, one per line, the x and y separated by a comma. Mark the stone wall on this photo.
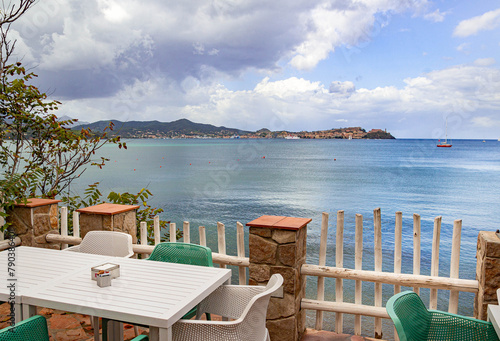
<point>487,272</point>
<point>109,217</point>
<point>276,250</point>
<point>33,221</point>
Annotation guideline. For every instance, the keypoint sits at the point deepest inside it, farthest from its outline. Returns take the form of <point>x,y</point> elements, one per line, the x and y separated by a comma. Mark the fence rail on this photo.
<point>377,276</point>
<point>416,280</point>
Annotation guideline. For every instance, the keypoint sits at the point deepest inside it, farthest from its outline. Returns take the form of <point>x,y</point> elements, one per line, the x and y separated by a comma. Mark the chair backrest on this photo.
<point>182,253</point>
<point>108,243</point>
<point>33,329</point>
<point>410,316</point>
<point>253,318</point>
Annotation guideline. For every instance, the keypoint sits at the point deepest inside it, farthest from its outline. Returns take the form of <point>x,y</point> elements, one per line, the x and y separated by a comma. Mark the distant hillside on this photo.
<point>162,129</point>
<point>184,128</point>
<point>66,118</point>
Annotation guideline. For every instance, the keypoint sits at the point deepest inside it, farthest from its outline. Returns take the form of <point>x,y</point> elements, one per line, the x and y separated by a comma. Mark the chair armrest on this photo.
<point>75,248</point>
<point>188,330</point>
<point>228,300</point>
<point>443,325</point>
<point>445,317</point>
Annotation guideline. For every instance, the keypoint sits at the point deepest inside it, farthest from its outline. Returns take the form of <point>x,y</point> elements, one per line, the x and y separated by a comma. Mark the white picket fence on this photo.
<point>396,278</point>
<point>144,249</point>
<point>338,272</point>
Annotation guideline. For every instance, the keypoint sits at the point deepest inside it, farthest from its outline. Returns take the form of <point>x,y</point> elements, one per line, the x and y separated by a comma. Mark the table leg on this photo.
<point>115,331</point>
<point>95,325</point>
<point>18,313</point>
<point>157,334</point>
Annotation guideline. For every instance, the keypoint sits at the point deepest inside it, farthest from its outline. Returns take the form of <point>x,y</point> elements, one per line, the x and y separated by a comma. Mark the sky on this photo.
<point>408,66</point>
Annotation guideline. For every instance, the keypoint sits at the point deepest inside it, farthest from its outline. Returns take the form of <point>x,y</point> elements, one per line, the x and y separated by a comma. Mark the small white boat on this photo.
<point>292,137</point>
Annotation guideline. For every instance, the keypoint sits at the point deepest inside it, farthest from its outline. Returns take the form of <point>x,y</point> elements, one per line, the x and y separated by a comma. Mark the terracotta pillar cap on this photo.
<point>280,222</point>
<point>107,209</point>
<point>35,202</point>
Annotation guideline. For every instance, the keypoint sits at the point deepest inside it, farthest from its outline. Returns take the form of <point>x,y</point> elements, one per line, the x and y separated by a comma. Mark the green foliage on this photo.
<point>39,155</point>
<point>145,213</point>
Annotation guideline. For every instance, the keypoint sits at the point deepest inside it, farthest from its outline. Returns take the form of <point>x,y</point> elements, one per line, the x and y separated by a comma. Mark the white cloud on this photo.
<point>288,87</point>
<point>464,47</point>
<point>342,88</point>
<point>469,95</point>
<point>488,21</point>
<point>168,59</point>
<point>112,11</point>
<point>349,25</point>
<point>485,61</point>
<point>435,16</point>
<point>486,122</point>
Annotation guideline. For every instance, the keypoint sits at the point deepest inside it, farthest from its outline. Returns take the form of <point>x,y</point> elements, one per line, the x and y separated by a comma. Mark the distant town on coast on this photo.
<point>184,128</point>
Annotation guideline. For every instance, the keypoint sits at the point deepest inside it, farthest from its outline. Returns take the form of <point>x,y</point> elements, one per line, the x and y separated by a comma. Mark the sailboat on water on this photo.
<point>445,144</point>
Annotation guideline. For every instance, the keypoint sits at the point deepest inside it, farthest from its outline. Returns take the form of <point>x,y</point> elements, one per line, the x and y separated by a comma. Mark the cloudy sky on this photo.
<point>402,65</point>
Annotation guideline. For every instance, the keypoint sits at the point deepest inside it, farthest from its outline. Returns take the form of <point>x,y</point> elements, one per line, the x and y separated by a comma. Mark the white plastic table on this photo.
<point>151,293</point>
<point>33,266</point>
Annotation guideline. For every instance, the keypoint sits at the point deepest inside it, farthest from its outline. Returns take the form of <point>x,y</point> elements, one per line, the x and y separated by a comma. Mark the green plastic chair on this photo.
<point>33,329</point>
<point>414,322</point>
<point>183,253</point>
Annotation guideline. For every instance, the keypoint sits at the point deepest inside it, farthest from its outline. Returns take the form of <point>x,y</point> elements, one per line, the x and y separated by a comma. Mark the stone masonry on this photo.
<point>487,272</point>
<point>278,245</point>
<point>34,220</point>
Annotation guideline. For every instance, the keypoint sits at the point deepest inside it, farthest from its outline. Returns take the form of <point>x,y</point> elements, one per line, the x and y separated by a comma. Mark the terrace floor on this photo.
<point>76,327</point>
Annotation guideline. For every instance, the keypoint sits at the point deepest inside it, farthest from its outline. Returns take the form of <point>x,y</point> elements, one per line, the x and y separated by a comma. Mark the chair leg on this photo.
<point>136,331</point>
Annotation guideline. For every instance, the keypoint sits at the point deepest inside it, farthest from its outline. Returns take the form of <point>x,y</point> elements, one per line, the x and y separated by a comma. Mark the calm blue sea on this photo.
<point>205,181</point>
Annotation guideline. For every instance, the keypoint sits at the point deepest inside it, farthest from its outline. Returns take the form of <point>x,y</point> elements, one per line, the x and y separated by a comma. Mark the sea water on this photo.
<point>204,181</point>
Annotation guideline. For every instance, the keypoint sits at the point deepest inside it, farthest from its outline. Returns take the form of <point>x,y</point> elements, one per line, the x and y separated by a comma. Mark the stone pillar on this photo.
<point>34,220</point>
<point>278,245</point>
<point>487,272</point>
<point>109,217</point>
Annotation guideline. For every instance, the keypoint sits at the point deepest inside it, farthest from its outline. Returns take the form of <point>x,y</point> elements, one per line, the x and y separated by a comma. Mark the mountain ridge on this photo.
<point>184,128</point>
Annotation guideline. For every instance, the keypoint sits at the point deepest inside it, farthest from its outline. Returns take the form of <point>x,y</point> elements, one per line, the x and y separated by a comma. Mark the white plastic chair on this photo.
<point>246,305</point>
<point>108,243</point>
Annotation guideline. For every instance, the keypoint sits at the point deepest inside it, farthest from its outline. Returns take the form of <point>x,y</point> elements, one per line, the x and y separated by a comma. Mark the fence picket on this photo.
<point>339,262</point>
<point>435,260</point>
<point>186,232</point>
<point>173,233</point>
<point>358,264</point>
<point>221,238</point>
<point>416,248</point>
<point>76,224</point>
<point>144,236</point>
<point>398,237</point>
<point>377,225</point>
<point>322,262</point>
<point>455,264</point>
<point>64,225</point>
<point>240,244</point>
<point>156,229</point>
<point>339,273</point>
<point>203,236</point>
